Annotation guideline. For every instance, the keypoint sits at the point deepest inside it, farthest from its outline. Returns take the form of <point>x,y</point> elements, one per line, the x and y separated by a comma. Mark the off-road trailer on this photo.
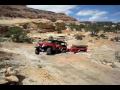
<point>78,48</point>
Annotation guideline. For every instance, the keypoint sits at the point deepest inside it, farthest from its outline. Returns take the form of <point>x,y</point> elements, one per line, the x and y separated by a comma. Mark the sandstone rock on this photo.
<point>21,11</point>
<point>3,81</point>
<point>12,79</point>
<point>9,71</point>
<point>109,64</point>
<point>104,63</point>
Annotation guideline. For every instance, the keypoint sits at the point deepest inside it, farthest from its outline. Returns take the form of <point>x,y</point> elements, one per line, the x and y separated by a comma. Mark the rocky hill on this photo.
<point>22,11</point>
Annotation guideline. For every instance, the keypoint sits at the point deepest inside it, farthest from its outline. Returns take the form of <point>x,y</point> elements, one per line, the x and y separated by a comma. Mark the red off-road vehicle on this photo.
<point>51,47</point>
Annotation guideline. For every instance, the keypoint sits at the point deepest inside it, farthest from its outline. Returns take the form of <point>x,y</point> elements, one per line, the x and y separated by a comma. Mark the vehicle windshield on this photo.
<point>57,42</point>
<point>49,41</point>
<point>63,44</point>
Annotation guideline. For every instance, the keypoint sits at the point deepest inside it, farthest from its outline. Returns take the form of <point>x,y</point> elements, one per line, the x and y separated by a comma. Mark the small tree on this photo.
<point>77,27</point>
<point>117,28</point>
<point>94,29</point>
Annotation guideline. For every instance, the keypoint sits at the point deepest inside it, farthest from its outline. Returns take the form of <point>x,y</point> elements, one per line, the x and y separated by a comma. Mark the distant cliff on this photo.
<point>21,11</point>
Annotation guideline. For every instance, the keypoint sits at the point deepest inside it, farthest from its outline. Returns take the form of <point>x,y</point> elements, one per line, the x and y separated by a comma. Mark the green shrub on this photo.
<point>18,35</point>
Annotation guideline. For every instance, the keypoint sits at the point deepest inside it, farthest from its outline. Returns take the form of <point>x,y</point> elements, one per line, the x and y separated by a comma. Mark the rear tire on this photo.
<point>37,52</point>
<point>49,51</point>
<point>63,51</point>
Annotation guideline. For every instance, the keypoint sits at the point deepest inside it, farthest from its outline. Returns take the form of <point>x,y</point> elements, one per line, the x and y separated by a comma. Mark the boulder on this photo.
<point>109,64</point>
<point>3,81</point>
<point>10,71</point>
<point>12,78</point>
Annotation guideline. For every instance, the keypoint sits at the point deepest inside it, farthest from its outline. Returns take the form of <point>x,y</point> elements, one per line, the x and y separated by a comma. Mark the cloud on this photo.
<point>55,8</point>
<point>116,14</point>
<point>93,15</point>
<point>87,12</point>
<point>98,18</point>
<point>115,20</point>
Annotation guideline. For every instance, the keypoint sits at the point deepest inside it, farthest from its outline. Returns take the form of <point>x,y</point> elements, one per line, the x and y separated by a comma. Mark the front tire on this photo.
<point>37,52</point>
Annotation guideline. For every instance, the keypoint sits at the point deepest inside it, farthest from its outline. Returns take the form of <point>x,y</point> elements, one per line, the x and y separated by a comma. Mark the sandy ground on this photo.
<point>20,20</point>
<point>59,69</point>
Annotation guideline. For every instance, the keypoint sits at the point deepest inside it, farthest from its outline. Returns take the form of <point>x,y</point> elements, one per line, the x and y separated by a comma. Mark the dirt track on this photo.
<point>66,68</point>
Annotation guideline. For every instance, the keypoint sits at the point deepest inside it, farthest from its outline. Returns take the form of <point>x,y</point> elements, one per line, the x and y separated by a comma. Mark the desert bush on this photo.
<point>103,36</point>
<point>0,45</point>
<point>53,20</point>
<point>3,39</point>
<point>91,41</point>
<point>93,35</point>
<point>117,39</point>
<point>45,26</point>
<point>18,35</point>
<point>97,38</point>
<point>78,37</point>
<point>117,56</point>
<point>75,26</point>
<point>59,27</point>
<point>111,39</point>
<point>50,38</point>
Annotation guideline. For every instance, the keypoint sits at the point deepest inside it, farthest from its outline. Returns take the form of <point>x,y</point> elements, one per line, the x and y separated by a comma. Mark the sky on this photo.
<point>85,12</point>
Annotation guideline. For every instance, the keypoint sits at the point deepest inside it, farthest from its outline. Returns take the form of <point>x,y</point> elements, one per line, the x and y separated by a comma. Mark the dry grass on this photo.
<point>17,21</point>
